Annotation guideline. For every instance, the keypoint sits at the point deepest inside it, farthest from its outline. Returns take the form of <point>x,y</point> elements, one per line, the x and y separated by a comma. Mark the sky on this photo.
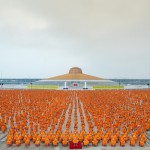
<point>105,38</point>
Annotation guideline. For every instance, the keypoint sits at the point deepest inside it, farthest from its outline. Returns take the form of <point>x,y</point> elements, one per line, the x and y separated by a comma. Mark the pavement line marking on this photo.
<point>148,144</point>
<point>3,139</point>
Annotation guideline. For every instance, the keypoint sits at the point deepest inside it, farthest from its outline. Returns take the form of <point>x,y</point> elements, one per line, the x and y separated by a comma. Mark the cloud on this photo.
<point>17,19</point>
<point>106,38</point>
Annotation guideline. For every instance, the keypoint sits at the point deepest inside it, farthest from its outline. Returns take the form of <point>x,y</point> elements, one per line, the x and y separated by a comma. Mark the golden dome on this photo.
<point>75,73</point>
<point>75,70</point>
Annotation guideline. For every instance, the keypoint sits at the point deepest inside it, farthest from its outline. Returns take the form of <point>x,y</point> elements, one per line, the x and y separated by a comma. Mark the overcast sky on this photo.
<point>44,38</point>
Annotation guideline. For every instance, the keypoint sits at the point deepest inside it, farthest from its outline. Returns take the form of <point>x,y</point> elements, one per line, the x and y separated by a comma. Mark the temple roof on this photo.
<point>75,73</point>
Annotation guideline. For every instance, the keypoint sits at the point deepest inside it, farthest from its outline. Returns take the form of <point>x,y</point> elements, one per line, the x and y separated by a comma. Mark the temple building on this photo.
<point>75,79</point>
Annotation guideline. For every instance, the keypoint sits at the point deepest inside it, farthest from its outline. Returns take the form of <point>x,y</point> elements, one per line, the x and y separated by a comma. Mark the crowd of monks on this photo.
<point>105,117</point>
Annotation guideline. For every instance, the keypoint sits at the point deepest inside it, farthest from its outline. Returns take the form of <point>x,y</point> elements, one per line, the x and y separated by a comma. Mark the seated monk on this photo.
<point>30,136</point>
<point>9,141</point>
<point>86,142</point>
<point>47,141</point>
<point>65,136</point>
<point>70,138</point>
<point>124,129</point>
<point>65,142</point>
<point>55,142</point>
<point>135,137</point>
<point>95,142</point>
<point>115,137</point>
<point>141,143</point>
<point>18,142</point>
<point>24,137</point>
<point>132,142</point>
<point>113,142</point>
<point>122,142</point>
<point>37,142</point>
<point>80,137</point>
<point>90,137</point>
<point>43,138</point>
<point>83,132</point>
<point>34,138</point>
<point>15,137</point>
<point>27,142</point>
<point>4,128</point>
<point>104,141</point>
<point>75,140</point>
<point>143,136</point>
<point>99,137</point>
<point>126,137</point>
<point>50,137</point>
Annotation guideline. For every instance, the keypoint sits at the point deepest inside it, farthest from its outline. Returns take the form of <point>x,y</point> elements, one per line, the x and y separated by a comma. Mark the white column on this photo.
<point>84,84</point>
<point>65,84</point>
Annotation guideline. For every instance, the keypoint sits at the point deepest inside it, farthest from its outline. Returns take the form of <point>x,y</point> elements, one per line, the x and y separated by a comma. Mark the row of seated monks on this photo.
<point>63,138</point>
<point>90,117</point>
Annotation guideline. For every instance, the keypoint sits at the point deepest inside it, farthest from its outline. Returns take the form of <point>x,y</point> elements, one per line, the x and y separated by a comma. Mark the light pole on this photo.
<point>119,84</point>
<point>31,85</point>
<point>148,85</point>
<point>1,85</point>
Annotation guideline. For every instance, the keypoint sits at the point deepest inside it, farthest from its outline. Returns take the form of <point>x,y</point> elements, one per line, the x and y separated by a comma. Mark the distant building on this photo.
<point>75,79</point>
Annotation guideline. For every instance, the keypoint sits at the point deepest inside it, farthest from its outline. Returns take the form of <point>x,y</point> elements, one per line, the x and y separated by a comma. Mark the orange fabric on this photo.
<point>110,116</point>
